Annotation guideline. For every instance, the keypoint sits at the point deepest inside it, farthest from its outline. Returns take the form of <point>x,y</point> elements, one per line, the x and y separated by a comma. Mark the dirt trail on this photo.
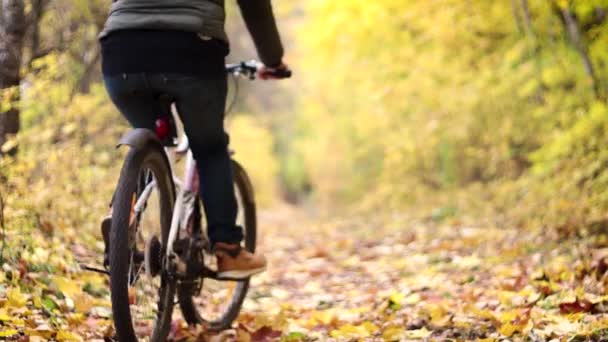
<point>351,280</point>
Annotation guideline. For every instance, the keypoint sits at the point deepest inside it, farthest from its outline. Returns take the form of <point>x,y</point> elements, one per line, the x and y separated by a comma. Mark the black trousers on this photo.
<point>201,104</point>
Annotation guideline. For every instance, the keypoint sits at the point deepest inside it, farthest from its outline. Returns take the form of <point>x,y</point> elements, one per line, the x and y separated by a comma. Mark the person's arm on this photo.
<point>261,24</point>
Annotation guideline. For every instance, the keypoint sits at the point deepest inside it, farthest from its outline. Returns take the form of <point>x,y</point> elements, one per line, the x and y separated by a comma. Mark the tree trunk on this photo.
<point>574,32</point>
<point>534,47</point>
<point>527,17</point>
<point>38,7</point>
<point>12,31</point>
<point>516,15</point>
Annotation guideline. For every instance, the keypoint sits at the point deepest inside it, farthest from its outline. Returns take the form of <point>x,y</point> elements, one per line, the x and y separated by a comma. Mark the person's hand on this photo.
<point>274,73</point>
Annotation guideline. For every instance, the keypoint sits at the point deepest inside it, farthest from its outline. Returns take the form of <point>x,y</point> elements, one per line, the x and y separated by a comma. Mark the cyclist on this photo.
<point>178,47</point>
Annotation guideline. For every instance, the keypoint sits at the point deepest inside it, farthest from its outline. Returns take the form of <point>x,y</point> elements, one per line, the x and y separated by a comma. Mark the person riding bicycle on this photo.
<point>178,48</point>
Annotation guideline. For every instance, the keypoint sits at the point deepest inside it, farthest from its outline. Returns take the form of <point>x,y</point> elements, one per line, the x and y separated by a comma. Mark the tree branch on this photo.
<point>516,16</point>
<point>574,33</point>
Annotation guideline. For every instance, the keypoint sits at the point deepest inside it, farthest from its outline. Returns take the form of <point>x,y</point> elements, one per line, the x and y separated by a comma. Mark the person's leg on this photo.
<point>133,97</point>
<point>201,105</point>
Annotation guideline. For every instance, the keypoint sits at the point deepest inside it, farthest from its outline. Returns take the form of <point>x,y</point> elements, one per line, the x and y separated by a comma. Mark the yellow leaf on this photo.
<point>508,316</point>
<point>76,319</point>
<point>37,302</point>
<point>83,303</point>
<point>63,335</point>
<point>324,317</point>
<point>350,331</point>
<point>94,279</point>
<point>485,314</point>
<point>509,329</point>
<point>67,286</point>
<point>8,332</point>
<point>393,334</point>
<point>43,331</point>
<point>370,327</point>
<point>506,296</point>
<point>438,314</point>
<point>15,297</point>
<point>396,297</point>
<point>18,322</point>
<point>4,316</point>
<point>276,322</point>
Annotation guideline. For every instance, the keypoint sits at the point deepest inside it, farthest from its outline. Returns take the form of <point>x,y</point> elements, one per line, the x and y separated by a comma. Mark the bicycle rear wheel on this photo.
<point>142,304</point>
<point>218,303</point>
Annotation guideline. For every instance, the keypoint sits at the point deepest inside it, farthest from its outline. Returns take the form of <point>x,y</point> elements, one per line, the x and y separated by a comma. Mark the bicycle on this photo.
<point>148,271</point>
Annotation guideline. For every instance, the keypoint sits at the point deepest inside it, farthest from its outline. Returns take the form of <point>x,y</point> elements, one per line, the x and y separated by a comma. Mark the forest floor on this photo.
<point>350,280</point>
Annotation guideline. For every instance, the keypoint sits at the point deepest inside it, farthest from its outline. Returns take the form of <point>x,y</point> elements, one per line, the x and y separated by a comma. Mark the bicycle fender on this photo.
<point>138,138</point>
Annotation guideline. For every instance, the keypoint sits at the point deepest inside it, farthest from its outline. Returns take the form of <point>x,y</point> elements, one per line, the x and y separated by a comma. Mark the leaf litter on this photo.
<point>348,280</point>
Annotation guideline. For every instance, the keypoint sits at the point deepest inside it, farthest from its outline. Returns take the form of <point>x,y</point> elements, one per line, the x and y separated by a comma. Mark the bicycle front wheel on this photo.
<point>142,293</point>
<point>218,303</point>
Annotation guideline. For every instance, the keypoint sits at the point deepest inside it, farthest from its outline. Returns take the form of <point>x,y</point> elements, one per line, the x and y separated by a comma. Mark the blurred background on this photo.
<point>494,110</point>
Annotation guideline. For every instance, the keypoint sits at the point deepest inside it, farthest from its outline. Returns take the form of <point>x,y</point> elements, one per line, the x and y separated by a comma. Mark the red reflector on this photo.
<point>162,128</point>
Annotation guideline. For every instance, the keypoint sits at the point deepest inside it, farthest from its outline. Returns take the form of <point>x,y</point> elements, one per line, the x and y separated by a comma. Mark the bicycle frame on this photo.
<point>187,189</point>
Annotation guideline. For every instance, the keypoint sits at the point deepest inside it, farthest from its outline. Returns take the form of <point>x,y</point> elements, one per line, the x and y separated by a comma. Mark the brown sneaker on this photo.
<point>234,262</point>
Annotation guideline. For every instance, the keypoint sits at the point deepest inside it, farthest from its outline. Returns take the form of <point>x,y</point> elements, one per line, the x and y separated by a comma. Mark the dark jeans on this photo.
<point>200,103</point>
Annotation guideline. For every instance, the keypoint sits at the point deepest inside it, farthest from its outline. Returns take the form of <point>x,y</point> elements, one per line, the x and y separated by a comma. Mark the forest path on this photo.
<point>392,279</point>
<point>351,280</point>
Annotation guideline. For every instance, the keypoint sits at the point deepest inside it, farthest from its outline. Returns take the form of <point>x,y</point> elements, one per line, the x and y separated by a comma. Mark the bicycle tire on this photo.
<point>186,292</point>
<point>153,158</point>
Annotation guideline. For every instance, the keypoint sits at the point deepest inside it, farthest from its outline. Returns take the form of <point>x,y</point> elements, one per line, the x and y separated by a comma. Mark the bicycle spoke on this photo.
<point>146,301</point>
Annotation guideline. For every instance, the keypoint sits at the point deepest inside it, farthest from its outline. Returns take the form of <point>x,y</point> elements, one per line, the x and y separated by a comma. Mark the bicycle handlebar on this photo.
<point>250,70</point>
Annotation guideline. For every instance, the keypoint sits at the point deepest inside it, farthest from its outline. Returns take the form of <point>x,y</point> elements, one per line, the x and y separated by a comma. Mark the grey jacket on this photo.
<point>205,17</point>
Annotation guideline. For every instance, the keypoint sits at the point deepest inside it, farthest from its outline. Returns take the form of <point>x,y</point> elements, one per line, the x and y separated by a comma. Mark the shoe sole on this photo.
<point>239,275</point>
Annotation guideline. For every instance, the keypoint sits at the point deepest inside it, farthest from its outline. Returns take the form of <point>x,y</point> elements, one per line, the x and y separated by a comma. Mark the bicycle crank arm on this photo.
<point>94,269</point>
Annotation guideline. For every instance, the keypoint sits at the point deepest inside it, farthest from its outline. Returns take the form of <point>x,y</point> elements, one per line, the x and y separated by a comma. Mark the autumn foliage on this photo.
<point>444,162</point>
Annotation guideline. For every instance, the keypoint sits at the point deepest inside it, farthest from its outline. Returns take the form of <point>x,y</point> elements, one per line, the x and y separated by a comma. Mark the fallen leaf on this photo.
<point>265,334</point>
<point>8,332</point>
<point>67,336</point>
<point>363,330</point>
<point>418,333</point>
<point>83,303</point>
<point>15,297</point>
<point>67,286</point>
<point>578,305</point>
<point>393,334</point>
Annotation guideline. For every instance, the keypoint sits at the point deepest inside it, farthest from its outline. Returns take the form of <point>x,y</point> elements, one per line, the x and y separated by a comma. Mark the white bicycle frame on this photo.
<point>186,190</point>
<point>187,193</point>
